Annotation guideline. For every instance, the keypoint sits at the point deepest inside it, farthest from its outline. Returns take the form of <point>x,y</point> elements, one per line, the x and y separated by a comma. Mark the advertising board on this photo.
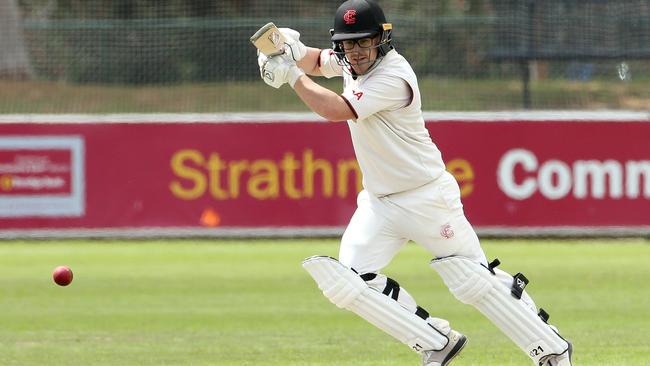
<point>300,177</point>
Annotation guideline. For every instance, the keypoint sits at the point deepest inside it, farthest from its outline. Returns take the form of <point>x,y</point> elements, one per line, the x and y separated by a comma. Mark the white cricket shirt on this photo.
<point>394,149</point>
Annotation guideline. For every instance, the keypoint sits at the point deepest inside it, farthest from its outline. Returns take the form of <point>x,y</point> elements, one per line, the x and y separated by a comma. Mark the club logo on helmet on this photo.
<point>350,16</point>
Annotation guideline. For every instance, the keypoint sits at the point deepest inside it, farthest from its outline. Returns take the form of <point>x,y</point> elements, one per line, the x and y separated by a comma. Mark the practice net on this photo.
<point>182,56</point>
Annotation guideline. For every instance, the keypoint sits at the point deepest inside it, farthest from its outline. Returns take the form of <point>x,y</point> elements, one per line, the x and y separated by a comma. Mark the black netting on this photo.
<point>469,55</point>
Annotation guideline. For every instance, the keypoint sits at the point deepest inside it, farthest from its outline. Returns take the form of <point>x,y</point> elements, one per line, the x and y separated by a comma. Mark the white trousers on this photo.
<point>431,215</point>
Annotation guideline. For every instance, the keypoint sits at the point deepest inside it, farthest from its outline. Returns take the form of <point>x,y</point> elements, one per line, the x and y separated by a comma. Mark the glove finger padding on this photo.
<point>272,72</point>
<point>280,69</point>
<point>293,45</point>
<point>290,35</point>
<point>261,59</point>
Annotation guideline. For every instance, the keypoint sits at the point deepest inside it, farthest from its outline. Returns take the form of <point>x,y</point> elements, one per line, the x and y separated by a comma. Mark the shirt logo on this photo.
<point>446,231</point>
<point>350,16</point>
<point>357,94</point>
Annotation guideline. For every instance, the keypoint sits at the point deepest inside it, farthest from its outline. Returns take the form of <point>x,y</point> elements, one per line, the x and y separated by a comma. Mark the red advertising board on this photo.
<point>302,174</point>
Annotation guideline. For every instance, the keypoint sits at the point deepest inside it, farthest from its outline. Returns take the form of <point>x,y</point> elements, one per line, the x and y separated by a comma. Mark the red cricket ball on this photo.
<point>62,275</point>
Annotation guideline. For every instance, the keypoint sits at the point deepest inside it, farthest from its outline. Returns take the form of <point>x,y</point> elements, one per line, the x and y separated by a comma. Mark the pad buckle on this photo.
<point>543,315</point>
<point>519,282</point>
<point>492,265</point>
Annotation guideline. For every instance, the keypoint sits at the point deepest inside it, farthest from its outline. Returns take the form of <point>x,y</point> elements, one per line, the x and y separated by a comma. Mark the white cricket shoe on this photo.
<point>563,359</point>
<point>443,357</point>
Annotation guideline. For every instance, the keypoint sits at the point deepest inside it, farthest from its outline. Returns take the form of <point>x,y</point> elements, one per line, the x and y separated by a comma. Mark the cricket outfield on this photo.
<point>236,302</point>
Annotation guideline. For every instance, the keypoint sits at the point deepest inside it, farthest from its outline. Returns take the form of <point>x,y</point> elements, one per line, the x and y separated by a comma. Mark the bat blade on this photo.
<point>269,40</point>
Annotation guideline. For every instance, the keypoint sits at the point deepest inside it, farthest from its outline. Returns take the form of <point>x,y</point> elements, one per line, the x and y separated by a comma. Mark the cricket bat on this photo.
<point>269,40</point>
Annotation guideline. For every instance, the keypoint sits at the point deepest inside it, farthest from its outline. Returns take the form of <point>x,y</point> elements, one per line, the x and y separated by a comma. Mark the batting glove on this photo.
<point>277,70</point>
<point>293,46</point>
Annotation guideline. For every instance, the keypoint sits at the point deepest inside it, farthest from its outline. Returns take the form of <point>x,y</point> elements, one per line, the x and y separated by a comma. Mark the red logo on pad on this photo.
<point>350,16</point>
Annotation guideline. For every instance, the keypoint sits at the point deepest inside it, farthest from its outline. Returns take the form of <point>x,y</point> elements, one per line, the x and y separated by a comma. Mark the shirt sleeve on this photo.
<point>328,64</point>
<point>378,93</point>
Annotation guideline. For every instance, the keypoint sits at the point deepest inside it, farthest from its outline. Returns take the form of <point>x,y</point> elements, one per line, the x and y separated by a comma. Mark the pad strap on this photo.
<point>346,289</point>
<point>519,282</point>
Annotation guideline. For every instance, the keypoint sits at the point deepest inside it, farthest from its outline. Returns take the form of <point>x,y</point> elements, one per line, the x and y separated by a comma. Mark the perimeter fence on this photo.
<point>469,55</point>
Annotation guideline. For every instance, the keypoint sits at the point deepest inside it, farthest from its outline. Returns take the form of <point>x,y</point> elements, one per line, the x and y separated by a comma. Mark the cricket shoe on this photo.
<point>443,357</point>
<point>563,359</point>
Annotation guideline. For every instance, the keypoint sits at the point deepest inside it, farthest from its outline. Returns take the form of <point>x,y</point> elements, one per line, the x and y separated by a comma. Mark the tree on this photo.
<point>14,61</point>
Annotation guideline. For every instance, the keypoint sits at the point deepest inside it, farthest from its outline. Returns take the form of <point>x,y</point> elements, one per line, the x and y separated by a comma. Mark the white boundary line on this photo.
<point>300,232</point>
<point>603,115</point>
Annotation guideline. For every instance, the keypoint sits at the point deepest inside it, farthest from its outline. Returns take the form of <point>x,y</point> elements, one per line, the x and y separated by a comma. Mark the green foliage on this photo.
<point>438,94</point>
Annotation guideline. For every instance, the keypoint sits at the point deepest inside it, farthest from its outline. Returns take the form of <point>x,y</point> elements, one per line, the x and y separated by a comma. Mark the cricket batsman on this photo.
<point>407,195</point>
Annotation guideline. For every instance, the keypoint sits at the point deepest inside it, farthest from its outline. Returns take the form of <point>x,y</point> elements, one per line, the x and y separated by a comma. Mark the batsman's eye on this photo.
<point>363,43</point>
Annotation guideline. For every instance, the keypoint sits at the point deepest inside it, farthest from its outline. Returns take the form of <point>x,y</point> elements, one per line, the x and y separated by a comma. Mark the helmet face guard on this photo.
<point>383,46</point>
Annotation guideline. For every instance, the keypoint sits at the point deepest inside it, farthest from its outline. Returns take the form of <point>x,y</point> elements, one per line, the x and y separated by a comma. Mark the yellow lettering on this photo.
<point>289,165</point>
<point>196,175</point>
<point>310,167</point>
<point>180,166</point>
<point>235,168</point>
<point>264,181</point>
<point>344,168</point>
<point>215,165</point>
<point>462,170</point>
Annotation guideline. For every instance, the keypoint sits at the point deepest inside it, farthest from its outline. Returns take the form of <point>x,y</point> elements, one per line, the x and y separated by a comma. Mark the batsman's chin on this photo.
<point>360,69</point>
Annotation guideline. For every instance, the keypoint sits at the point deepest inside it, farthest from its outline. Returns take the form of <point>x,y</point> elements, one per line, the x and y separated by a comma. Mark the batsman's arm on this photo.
<point>309,63</point>
<point>323,101</point>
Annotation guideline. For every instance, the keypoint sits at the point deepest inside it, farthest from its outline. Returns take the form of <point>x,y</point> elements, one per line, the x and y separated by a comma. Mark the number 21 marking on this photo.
<point>536,351</point>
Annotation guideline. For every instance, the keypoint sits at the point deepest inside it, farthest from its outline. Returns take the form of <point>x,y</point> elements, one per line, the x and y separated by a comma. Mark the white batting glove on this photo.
<point>261,59</point>
<point>293,46</point>
<point>278,70</point>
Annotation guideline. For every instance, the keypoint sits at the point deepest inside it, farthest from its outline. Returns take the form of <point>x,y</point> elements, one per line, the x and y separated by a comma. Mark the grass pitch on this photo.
<point>210,302</point>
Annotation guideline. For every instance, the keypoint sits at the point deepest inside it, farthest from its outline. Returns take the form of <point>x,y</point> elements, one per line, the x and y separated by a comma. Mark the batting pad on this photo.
<point>474,284</point>
<point>345,289</point>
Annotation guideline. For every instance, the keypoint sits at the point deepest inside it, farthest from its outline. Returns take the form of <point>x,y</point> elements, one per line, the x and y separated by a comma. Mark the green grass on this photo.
<point>437,95</point>
<point>210,302</point>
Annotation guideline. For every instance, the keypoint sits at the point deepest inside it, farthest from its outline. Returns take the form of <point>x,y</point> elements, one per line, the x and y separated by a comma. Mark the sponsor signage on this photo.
<point>303,175</point>
<point>41,176</point>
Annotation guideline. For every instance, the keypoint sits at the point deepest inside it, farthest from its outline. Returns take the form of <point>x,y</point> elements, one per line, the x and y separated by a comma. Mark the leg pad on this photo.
<point>347,290</point>
<point>477,285</point>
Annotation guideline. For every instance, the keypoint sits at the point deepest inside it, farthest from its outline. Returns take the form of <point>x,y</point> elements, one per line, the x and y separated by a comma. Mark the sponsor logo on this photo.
<point>357,94</point>
<point>29,171</point>
<point>274,37</point>
<point>269,75</point>
<point>350,17</point>
<point>296,176</point>
<point>42,176</point>
<point>521,175</point>
<point>9,183</point>
<point>521,284</point>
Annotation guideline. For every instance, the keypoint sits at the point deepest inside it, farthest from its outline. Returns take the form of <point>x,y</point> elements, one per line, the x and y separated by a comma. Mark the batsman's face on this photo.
<point>361,53</point>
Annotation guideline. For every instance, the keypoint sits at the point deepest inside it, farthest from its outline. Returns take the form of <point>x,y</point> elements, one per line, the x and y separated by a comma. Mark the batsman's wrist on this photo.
<point>294,74</point>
